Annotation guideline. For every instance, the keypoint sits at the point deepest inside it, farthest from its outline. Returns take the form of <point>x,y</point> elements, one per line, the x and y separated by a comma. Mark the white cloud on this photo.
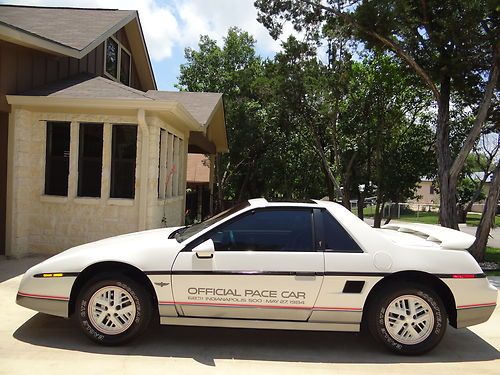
<point>179,23</point>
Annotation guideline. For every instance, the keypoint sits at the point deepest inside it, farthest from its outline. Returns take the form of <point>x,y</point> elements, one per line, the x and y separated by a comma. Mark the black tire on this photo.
<point>138,321</point>
<point>376,320</point>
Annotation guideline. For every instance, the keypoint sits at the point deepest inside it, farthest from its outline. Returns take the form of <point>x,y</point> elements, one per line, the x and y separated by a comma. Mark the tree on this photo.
<point>231,70</point>
<point>428,36</point>
<point>487,218</point>
<point>395,147</point>
<point>370,130</point>
<point>477,171</point>
<point>266,157</point>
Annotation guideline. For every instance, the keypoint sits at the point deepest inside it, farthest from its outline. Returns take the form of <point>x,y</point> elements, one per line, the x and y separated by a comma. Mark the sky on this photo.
<point>170,26</point>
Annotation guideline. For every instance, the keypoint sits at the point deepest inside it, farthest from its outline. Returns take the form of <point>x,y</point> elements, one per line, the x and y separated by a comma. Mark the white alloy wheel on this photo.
<point>409,319</point>
<point>111,310</point>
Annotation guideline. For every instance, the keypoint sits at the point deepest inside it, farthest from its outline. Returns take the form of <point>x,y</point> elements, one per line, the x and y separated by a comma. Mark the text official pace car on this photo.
<point>302,266</point>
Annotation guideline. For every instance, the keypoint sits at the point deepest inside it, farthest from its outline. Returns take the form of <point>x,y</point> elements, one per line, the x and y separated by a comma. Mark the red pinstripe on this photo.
<point>42,296</point>
<point>477,305</point>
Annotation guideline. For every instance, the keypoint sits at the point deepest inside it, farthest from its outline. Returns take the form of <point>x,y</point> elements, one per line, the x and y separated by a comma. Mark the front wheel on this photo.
<point>113,311</point>
<point>408,319</point>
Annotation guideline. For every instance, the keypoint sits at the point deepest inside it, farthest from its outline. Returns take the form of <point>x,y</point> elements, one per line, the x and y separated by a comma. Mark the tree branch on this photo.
<point>392,45</point>
<point>480,118</point>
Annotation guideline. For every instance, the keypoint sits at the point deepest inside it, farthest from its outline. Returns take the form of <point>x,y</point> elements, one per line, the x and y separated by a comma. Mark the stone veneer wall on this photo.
<point>41,224</point>
<point>171,208</point>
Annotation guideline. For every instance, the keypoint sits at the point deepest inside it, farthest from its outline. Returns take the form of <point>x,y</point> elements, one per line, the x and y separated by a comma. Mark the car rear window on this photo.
<point>336,237</point>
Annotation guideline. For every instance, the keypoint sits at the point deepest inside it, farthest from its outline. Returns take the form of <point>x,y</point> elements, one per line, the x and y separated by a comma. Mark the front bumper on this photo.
<point>52,306</point>
<point>474,314</point>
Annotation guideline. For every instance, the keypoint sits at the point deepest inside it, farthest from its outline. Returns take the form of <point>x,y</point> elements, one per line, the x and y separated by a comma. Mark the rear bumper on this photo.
<point>44,304</point>
<point>474,314</point>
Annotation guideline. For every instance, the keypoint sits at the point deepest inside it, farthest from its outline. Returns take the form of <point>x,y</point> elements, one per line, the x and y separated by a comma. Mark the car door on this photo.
<point>265,266</point>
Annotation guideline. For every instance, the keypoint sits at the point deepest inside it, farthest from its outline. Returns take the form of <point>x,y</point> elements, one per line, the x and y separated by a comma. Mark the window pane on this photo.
<point>124,149</point>
<point>57,158</point>
<point>336,237</point>
<point>125,68</point>
<point>112,57</point>
<point>90,160</point>
<point>268,230</point>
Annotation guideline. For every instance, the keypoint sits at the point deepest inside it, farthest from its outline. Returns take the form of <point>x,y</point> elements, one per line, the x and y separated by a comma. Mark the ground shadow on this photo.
<point>207,344</point>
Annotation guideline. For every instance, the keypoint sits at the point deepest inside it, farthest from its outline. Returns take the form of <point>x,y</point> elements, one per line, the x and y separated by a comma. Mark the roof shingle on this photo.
<point>71,27</point>
<point>200,104</point>
<point>88,86</point>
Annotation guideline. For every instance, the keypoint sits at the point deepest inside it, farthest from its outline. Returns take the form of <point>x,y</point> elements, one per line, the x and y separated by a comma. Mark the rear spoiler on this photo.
<point>446,238</point>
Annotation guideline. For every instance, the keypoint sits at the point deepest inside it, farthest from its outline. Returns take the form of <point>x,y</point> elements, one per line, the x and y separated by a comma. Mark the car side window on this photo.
<point>267,230</point>
<point>336,237</point>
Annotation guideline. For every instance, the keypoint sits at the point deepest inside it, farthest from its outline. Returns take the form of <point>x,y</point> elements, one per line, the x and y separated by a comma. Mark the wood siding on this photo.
<point>23,69</point>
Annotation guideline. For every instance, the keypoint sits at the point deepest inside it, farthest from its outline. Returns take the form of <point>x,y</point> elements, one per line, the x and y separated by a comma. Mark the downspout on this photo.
<point>143,187</point>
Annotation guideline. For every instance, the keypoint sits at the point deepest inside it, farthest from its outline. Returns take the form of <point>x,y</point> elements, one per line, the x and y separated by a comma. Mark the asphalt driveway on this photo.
<point>36,343</point>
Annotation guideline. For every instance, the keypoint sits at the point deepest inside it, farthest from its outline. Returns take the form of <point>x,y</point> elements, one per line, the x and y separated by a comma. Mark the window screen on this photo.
<point>90,160</point>
<point>267,230</point>
<point>124,150</point>
<point>336,237</point>
<point>57,158</point>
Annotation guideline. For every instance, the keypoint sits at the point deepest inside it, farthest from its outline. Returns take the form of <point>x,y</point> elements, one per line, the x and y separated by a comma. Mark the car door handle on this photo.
<point>305,274</point>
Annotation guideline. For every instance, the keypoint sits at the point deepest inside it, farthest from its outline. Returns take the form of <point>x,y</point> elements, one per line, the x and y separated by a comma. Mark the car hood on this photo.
<point>146,250</point>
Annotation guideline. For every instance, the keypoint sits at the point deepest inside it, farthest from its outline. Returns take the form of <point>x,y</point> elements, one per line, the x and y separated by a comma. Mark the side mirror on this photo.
<point>205,249</point>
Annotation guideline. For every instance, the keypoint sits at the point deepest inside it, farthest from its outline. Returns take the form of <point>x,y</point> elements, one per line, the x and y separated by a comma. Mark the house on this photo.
<point>89,148</point>
<point>426,192</point>
<point>428,195</point>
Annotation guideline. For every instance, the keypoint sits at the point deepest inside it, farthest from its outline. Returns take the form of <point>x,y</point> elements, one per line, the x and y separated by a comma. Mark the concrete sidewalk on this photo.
<point>37,343</point>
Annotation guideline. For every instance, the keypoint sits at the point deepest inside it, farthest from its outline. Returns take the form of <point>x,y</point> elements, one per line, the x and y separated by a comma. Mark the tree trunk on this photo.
<point>447,187</point>
<point>379,211</point>
<point>220,184</point>
<point>478,248</point>
<point>346,192</point>
<point>361,205</point>
<point>461,213</point>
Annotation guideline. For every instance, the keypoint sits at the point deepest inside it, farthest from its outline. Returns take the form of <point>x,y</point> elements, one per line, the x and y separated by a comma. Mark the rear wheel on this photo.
<point>408,319</point>
<point>113,311</point>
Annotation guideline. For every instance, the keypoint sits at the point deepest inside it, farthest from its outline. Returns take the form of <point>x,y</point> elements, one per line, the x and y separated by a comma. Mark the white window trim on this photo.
<point>119,61</point>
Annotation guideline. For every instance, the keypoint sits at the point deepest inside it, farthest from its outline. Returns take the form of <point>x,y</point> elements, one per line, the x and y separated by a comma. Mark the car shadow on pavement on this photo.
<point>208,344</point>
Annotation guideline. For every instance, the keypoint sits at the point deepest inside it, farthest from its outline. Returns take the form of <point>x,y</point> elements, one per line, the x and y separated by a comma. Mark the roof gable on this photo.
<point>75,32</point>
<point>70,27</point>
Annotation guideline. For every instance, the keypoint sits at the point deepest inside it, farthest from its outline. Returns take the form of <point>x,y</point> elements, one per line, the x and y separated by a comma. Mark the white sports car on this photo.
<point>301,266</point>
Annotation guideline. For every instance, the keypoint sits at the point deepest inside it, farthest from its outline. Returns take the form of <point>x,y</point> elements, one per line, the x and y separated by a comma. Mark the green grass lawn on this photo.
<point>492,254</point>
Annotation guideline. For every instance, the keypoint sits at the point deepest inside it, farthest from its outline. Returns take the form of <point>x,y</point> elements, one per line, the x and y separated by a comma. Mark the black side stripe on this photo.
<point>158,272</point>
<point>298,273</point>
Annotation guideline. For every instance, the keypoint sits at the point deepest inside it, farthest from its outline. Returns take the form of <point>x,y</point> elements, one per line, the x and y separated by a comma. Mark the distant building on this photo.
<point>428,194</point>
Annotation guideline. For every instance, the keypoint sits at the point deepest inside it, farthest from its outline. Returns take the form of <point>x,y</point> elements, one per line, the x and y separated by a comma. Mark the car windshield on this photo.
<point>186,232</point>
